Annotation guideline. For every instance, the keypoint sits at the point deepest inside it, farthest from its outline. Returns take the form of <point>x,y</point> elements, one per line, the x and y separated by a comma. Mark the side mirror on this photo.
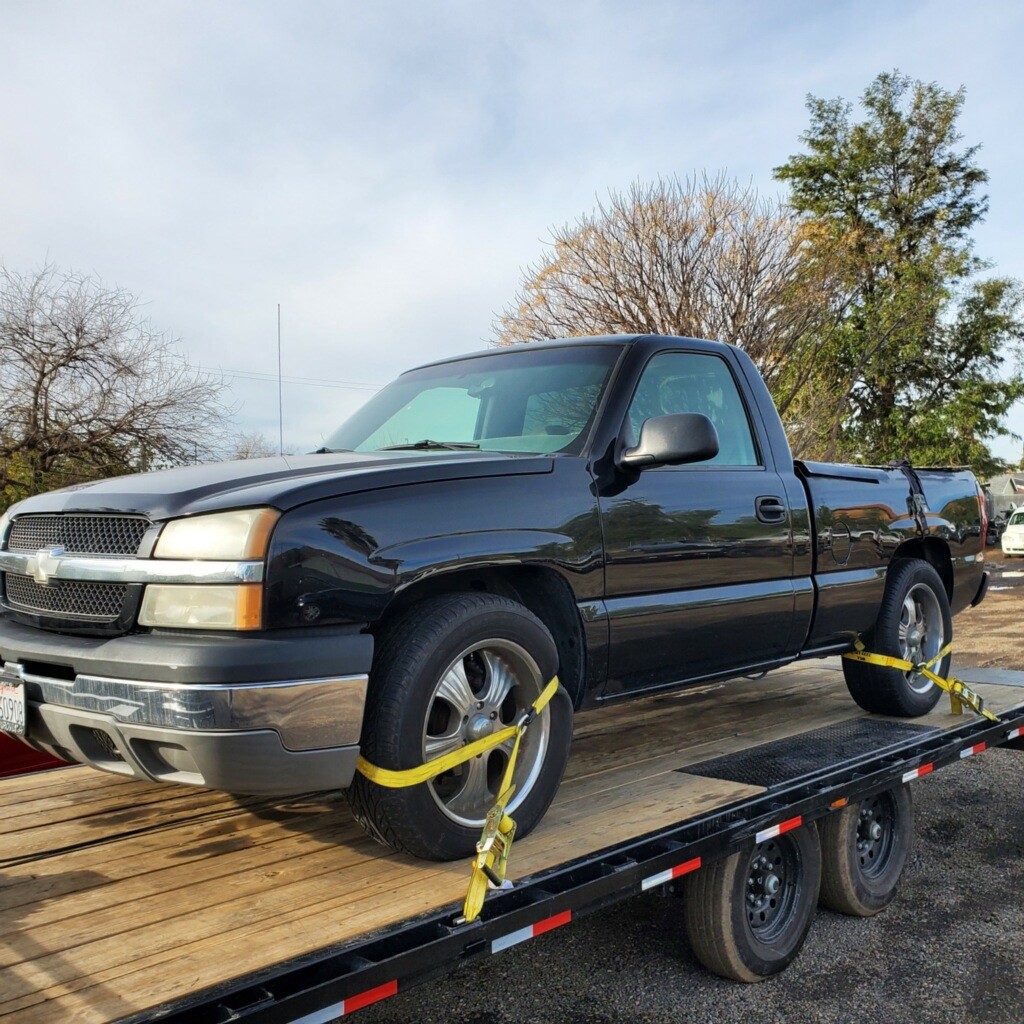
<point>672,441</point>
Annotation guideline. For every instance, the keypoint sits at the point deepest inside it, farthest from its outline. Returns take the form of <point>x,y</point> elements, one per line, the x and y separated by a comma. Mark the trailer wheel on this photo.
<point>914,623</point>
<point>747,916</point>
<point>864,849</point>
<point>453,669</point>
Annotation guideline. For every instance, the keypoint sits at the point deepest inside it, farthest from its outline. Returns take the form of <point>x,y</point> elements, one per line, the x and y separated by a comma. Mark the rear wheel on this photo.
<point>914,623</point>
<point>452,670</point>
<point>864,849</point>
<point>747,916</point>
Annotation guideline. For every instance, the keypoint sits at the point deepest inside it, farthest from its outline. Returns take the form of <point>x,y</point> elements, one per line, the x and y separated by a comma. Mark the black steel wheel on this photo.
<point>864,849</point>
<point>747,916</point>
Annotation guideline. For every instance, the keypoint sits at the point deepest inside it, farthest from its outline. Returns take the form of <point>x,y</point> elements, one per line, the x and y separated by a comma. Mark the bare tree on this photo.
<point>90,388</point>
<point>705,259</point>
<point>250,445</point>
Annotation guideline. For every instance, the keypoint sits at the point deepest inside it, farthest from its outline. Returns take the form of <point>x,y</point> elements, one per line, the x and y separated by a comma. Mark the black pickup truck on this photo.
<point>622,511</point>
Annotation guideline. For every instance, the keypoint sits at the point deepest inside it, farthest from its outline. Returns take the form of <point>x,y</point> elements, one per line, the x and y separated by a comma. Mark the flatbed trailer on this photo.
<point>126,902</point>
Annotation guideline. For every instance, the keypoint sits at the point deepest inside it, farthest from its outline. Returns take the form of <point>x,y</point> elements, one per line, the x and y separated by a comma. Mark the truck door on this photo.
<point>699,558</point>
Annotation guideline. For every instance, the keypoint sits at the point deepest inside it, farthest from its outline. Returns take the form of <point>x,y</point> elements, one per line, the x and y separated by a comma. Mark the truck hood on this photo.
<point>282,482</point>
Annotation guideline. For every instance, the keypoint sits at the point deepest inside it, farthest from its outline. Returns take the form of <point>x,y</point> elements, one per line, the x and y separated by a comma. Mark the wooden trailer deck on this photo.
<point>117,896</point>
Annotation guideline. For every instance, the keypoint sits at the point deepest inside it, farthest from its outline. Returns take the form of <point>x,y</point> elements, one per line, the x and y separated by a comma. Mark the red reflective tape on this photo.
<point>792,823</point>
<point>925,769</point>
<point>550,923</point>
<point>370,996</point>
<point>686,867</point>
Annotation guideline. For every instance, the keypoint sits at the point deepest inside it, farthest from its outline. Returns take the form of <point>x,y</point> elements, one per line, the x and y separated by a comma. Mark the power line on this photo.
<point>258,375</point>
<point>271,378</point>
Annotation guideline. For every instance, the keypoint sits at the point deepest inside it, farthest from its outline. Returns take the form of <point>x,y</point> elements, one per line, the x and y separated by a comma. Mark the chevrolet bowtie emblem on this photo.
<point>44,564</point>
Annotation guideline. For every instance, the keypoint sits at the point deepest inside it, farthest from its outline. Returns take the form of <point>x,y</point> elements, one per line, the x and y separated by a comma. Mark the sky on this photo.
<point>386,171</point>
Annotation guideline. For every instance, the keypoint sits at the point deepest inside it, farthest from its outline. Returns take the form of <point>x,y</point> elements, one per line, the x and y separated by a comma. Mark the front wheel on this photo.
<point>451,670</point>
<point>914,623</point>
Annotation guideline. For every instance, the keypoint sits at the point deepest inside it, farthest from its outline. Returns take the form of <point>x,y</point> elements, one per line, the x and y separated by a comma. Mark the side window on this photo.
<point>693,382</point>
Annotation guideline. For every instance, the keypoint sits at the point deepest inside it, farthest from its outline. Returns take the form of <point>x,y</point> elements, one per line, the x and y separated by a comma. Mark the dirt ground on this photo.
<point>992,635</point>
<point>950,950</point>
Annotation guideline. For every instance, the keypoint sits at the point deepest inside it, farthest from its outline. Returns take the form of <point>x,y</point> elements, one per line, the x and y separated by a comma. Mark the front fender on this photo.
<point>344,560</point>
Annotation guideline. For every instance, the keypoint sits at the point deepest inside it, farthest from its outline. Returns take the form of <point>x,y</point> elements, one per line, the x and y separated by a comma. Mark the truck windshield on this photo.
<point>539,400</point>
<point>1017,519</point>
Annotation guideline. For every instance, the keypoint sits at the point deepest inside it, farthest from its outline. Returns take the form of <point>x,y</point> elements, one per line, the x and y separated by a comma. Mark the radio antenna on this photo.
<point>280,389</point>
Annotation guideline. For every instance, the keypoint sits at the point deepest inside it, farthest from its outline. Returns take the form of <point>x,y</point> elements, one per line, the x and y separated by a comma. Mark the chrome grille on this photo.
<point>78,534</point>
<point>97,602</point>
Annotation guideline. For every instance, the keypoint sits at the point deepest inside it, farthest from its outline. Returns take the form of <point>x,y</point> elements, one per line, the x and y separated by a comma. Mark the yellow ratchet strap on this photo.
<point>490,864</point>
<point>960,694</point>
<point>402,777</point>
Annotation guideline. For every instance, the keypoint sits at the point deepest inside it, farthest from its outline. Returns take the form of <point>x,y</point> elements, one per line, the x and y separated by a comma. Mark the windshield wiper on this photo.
<point>427,445</point>
<point>331,451</point>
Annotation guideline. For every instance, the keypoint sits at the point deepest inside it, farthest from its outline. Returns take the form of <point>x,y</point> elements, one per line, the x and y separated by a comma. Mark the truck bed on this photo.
<point>118,898</point>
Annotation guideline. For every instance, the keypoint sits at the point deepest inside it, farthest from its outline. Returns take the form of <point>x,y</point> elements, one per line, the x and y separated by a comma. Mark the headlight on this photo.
<point>175,606</point>
<point>222,536</point>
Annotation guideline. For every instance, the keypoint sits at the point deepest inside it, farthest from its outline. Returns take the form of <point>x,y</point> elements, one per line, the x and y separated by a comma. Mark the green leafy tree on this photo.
<point>926,359</point>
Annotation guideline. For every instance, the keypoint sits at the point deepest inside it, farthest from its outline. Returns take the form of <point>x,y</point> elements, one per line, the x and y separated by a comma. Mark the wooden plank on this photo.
<point>180,892</point>
<point>340,902</point>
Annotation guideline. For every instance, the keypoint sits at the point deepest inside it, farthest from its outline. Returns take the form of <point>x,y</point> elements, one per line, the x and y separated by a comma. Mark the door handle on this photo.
<point>770,509</point>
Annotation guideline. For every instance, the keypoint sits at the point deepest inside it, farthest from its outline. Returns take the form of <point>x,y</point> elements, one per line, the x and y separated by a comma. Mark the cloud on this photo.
<point>385,170</point>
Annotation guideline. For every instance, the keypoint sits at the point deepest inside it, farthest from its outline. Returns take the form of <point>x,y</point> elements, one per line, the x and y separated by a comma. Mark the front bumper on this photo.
<point>267,713</point>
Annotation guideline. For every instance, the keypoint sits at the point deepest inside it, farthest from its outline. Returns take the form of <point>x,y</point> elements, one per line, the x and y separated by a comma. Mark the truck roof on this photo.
<point>588,339</point>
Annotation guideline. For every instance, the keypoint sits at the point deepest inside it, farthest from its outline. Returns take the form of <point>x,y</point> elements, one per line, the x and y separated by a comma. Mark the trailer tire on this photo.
<point>421,703</point>
<point>738,928</point>
<point>864,849</point>
<point>903,633</point>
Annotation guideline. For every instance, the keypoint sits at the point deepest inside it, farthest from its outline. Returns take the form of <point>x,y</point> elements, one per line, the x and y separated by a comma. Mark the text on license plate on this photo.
<point>12,708</point>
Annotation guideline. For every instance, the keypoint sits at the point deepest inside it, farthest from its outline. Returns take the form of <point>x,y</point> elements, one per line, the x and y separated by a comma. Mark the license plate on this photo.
<point>12,708</point>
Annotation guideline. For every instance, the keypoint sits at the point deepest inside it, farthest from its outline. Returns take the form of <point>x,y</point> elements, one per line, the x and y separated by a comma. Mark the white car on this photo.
<point>1013,535</point>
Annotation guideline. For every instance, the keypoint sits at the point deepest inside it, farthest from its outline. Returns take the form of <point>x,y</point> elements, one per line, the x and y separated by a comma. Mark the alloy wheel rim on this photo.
<point>487,687</point>
<point>921,632</point>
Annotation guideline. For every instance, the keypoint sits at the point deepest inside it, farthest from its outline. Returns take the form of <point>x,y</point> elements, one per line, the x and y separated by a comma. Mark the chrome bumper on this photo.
<point>306,713</point>
<point>275,738</point>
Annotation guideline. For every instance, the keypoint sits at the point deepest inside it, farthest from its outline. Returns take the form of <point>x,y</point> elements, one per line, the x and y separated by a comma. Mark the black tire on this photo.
<point>413,654</point>
<point>890,691</point>
<point>864,849</point>
<point>727,930</point>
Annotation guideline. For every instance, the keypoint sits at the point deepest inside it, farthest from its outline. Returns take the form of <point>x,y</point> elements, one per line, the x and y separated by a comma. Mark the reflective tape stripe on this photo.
<point>1013,734</point>
<point>373,995</point>
<point>666,876</point>
<point>350,1005</point>
<point>531,931</point>
<point>916,773</point>
<point>777,830</point>
<point>976,749</point>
